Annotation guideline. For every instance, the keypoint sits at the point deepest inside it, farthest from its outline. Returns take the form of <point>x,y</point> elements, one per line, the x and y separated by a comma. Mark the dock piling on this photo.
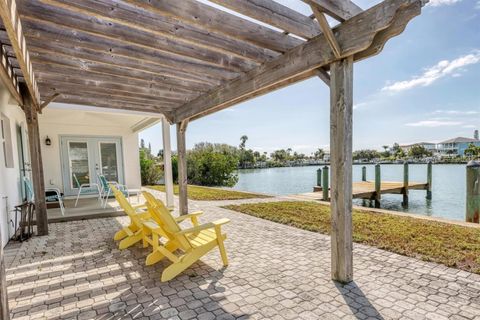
<point>319,177</point>
<point>378,192</point>
<point>405,184</point>
<point>364,173</point>
<point>325,184</point>
<point>429,180</point>
<point>473,192</point>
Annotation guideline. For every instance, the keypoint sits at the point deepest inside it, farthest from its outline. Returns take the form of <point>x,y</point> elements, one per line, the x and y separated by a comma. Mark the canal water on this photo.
<point>448,186</point>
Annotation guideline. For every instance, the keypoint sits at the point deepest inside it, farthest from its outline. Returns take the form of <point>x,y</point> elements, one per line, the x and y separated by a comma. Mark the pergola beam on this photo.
<point>275,14</point>
<point>121,13</point>
<point>182,166</point>
<point>13,27</point>
<point>50,32</point>
<point>79,22</point>
<point>327,31</point>
<point>215,20</point>
<point>340,10</point>
<point>8,76</point>
<point>47,101</point>
<point>354,36</point>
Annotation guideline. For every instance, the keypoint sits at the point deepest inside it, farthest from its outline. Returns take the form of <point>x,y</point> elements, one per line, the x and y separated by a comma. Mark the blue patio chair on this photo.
<point>51,194</point>
<point>85,185</point>
<point>107,191</point>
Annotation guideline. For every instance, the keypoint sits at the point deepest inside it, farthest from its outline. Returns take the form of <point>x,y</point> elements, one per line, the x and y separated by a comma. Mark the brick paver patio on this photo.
<point>275,272</point>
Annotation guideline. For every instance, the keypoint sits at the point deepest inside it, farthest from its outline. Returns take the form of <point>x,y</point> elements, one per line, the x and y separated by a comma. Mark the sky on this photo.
<point>423,86</point>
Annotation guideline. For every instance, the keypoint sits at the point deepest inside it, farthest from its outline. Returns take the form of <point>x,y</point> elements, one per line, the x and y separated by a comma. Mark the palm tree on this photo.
<point>243,141</point>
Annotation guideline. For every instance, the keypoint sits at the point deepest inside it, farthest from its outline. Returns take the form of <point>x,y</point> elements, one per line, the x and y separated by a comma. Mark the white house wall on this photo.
<point>10,194</point>
<point>55,123</point>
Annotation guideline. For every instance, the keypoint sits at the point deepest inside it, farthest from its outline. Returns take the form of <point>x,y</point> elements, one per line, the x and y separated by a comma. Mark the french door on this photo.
<point>85,158</point>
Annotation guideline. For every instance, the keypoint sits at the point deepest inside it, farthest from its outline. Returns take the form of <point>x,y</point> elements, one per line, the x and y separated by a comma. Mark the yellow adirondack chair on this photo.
<point>192,243</point>
<point>135,231</point>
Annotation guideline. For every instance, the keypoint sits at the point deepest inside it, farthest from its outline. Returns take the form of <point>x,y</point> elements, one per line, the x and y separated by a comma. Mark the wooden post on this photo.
<point>4,311</point>
<point>325,186</point>
<point>473,192</point>
<point>182,166</point>
<point>341,110</point>
<point>429,180</point>
<point>364,173</point>
<point>36,164</point>
<point>319,177</point>
<point>378,186</point>
<point>167,163</point>
<point>405,184</point>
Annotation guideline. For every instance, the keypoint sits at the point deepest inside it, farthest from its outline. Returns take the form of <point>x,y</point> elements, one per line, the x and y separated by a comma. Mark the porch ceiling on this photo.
<point>186,58</point>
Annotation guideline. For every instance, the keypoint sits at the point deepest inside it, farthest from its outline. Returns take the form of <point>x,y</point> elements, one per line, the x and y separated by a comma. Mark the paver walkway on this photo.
<point>275,272</point>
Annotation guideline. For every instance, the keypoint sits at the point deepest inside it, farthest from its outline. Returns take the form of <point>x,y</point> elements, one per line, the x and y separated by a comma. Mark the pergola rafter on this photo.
<point>186,59</point>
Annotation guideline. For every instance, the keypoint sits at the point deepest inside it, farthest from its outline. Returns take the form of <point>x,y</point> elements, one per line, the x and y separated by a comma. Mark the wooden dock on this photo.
<point>366,189</point>
<point>373,190</point>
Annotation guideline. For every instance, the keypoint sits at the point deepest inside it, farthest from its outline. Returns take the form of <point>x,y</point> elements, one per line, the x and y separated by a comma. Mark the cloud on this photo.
<point>432,74</point>
<point>477,5</point>
<point>433,123</point>
<point>359,105</point>
<point>457,112</point>
<point>469,126</point>
<point>439,3</point>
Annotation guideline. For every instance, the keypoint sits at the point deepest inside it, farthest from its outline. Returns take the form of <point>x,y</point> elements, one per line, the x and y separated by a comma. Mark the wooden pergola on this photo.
<point>187,59</point>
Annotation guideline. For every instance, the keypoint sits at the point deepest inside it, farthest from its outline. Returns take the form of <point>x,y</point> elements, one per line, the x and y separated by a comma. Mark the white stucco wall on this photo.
<point>10,194</point>
<point>55,123</point>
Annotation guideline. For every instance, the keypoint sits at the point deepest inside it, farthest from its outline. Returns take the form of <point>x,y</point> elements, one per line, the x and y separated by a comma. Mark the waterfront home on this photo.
<point>430,146</point>
<point>455,146</point>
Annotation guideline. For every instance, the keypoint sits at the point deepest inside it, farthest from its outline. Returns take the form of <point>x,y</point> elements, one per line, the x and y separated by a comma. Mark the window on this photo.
<point>6,138</point>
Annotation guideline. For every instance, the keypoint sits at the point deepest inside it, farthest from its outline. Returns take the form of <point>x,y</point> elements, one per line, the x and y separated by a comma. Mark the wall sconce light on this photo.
<point>48,142</point>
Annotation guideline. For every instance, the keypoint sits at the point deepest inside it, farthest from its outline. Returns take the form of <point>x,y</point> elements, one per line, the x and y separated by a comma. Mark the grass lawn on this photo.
<point>209,194</point>
<point>452,245</point>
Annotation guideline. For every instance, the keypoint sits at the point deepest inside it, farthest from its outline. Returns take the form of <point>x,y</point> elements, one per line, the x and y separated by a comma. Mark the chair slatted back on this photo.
<point>127,207</point>
<point>168,222</point>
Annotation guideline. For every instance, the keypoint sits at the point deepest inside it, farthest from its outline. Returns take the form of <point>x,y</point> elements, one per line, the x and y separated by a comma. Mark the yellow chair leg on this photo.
<point>223,252</point>
<point>186,261</point>
<point>130,241</point>
<point>157,256</point>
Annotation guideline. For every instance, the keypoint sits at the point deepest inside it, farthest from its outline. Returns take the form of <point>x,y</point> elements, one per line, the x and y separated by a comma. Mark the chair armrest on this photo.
<point>188,216</point>
<point>210,225</point>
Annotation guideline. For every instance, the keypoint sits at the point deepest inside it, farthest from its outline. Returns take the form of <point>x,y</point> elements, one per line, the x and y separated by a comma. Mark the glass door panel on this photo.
<point>108,160</point>
<point>79,164</point>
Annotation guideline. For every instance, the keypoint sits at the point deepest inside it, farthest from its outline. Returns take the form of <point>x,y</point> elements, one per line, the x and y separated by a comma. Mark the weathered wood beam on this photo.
<point>354,36</point>
<point>167,164</point>
<point>182,166</point>
<point>13,27</point>
<point>52,87</point>
<point>85,81</point>
<point>164,26</point>
<point>50,32</point>
<point>155,103</point>
<point>275,14</point>
<point>99,60</point>
<point>120,71</point>
<point>47,101</point>
<point>102,72</point>
<point>75,21</point>
<point>36,164</point>
<point>323,75</point>
<point>338,9</point>
<point>4,310</point>
<point>322,21</point>
<point>215,20</point>
<point>102,103</point>
<point>341,126</point>
<point>107,99</point>
<point>9,77</point>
